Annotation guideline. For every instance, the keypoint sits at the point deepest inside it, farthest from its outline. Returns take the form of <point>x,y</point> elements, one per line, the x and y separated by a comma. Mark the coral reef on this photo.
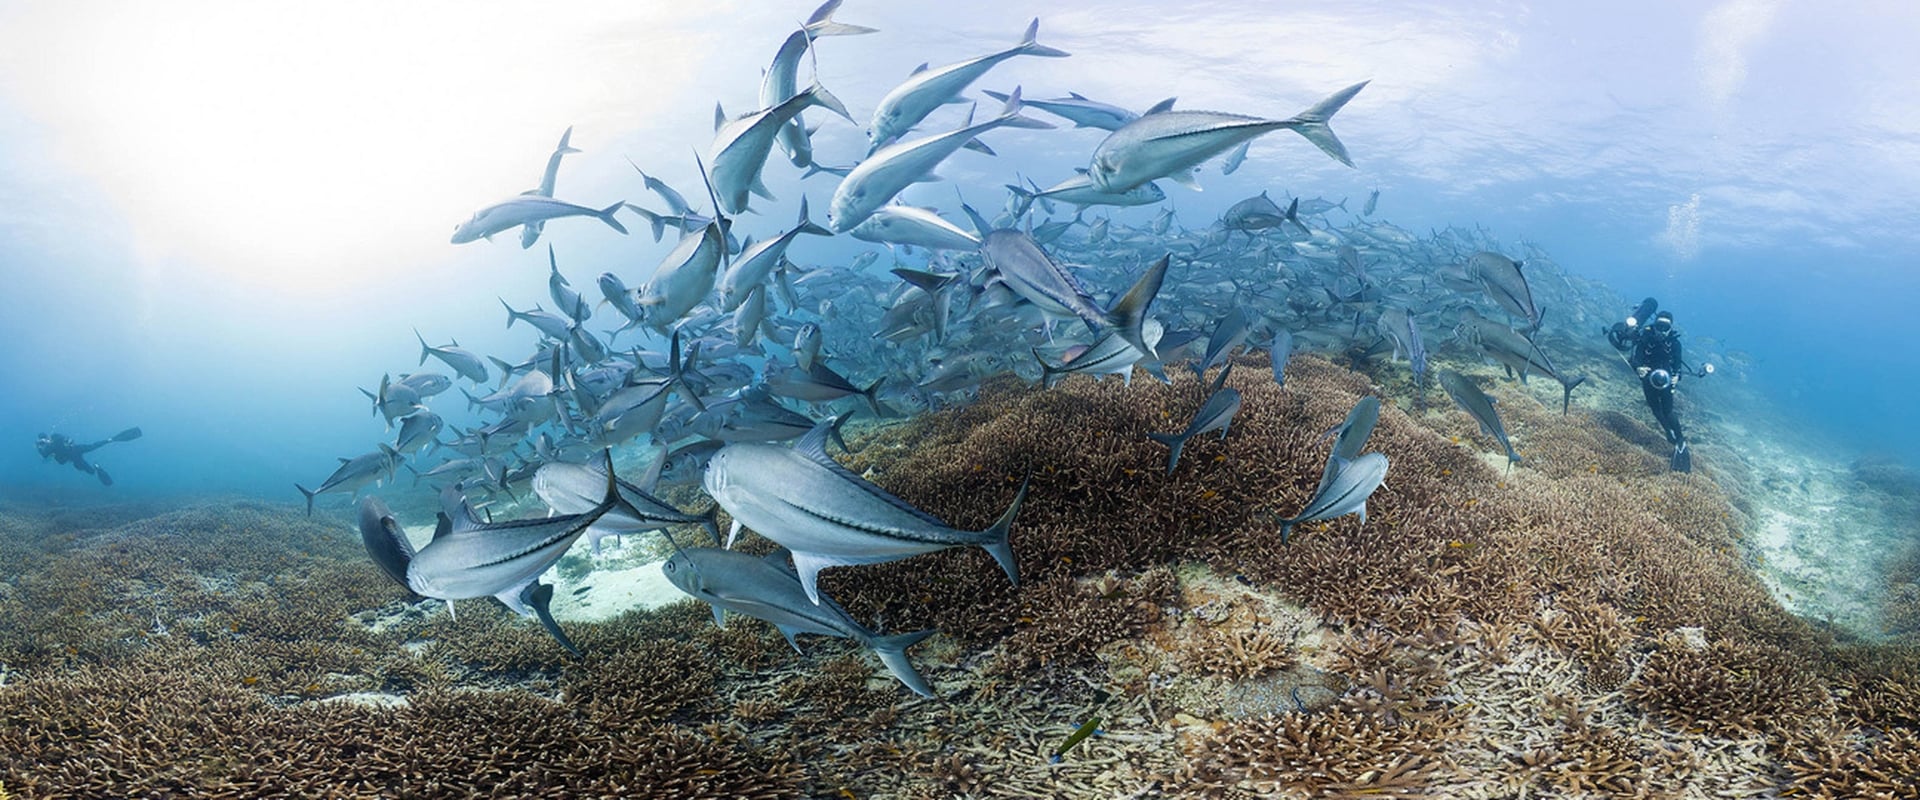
<point>1585,624</point>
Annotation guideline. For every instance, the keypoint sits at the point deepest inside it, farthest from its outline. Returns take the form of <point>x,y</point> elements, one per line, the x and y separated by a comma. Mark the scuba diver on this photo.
<point>66,451</point>
<point>1653,350</point>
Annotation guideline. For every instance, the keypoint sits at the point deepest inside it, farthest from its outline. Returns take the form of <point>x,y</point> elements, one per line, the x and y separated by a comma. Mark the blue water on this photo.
<point>1577,129</point>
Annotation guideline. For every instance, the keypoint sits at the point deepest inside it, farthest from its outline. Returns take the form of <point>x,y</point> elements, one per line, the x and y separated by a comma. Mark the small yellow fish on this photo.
<point>1209,494</point>
<point>250,680</point>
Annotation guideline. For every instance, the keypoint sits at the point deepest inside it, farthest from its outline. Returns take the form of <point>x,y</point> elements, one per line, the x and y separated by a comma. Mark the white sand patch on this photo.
<point>611,592</point>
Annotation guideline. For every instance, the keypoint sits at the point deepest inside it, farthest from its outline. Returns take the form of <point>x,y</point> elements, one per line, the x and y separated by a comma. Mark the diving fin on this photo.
<point>127,435</point>
<point>1682,460</point>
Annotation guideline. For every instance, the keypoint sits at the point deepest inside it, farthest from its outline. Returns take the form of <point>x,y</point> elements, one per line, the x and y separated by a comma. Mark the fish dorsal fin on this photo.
<point>719,117</point>
<point>1160,107</point>
<point>443,527</point>
<point>919,69</point>
<point>345,460</point>
<point>814,447</point>
<point>1076,95</point>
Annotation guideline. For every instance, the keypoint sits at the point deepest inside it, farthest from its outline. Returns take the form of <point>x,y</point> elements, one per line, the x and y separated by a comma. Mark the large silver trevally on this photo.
<point>1479,406</point>
<point>805,501</point>
<point>766,588</point>
<point>928,89</point>
<point>741,145</point>
<point>1111,354</point>
<point>1343,491</point>
<point>1023,267</point>
<point>911,225</point>
<point>1081,192</point>
<point>464,362</point>
<point>896,166</point>
<point>355,473</point>
<point>1500,277</point>
<point>1214,415</point>
<point>575,489</point>
<point>1168,144</point>
<point>683,278</point>
<point>757,261</point>
<point>469,559</point>
<point>1083,113</point>
<point>526,209</point>
<point>780,81</point>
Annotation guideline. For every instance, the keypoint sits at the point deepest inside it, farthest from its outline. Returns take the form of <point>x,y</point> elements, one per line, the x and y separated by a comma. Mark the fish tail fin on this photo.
<point>892,651</point>
<point>1566,393</point>
<point>710,519</point>
<point>806,224</point>
<point>424,349</point>
<point>512,315</point>
<point>1175,443</point>
<point>1286,528</point>
<point>997,544</point>
<point>822,24</point>
<point>871,394</point>
<point>656,221</point>
<point>1129,314</point>
<point>606,216</point>
<point>1031,46</point>
<point>818,95</point>
<point>1313,123</point>
<point>1023,200</point>
<point>309,493</point>
<point>1047,371</point>
<point>1010,114</point>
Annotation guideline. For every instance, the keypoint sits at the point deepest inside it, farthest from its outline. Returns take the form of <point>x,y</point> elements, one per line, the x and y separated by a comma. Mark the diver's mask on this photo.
<point>1662,324</point>
<point>45,446</point>
<point>1660,379</point>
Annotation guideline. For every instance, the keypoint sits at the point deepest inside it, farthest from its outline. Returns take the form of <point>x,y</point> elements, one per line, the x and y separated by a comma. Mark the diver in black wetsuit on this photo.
<point>63,450</point>
<point>1653,350</point>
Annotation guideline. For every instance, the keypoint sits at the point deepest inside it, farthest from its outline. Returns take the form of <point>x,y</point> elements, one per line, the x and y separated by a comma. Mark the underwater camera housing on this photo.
<point>1660,379</point>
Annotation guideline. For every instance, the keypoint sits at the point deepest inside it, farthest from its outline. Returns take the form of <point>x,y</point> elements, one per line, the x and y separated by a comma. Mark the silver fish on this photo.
<point>526,209</point>
<point>757,261</point>
<point>927,89</point>
<point>1083,113</point>
<point>1344,491</point>
<point>910,225</point>
<point>1214,415</point>
<point>766,588</point>
<point>683,278</point>
<point>464,362</point>
<point>1168,144</point>
<point>1235,158</point>
<point>896,166</point>
<point>355,473</point>
<point>1500,277</point>
<point>576,488</point>
<point>1479,406</point>
<point>741,145</point>
<point>804,500</point>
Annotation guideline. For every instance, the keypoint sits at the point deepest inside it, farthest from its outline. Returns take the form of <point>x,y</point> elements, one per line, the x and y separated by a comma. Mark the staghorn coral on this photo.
<point>1729,687</point>
<point>1485,633</point>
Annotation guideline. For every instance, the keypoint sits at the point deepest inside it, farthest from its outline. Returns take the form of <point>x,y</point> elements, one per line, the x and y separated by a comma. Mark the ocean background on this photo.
<point>218,219</point>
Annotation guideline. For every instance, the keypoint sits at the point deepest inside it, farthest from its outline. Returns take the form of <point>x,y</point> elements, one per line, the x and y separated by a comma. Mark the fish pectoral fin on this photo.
<point>1186,178</point>
<point>719,616</point>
